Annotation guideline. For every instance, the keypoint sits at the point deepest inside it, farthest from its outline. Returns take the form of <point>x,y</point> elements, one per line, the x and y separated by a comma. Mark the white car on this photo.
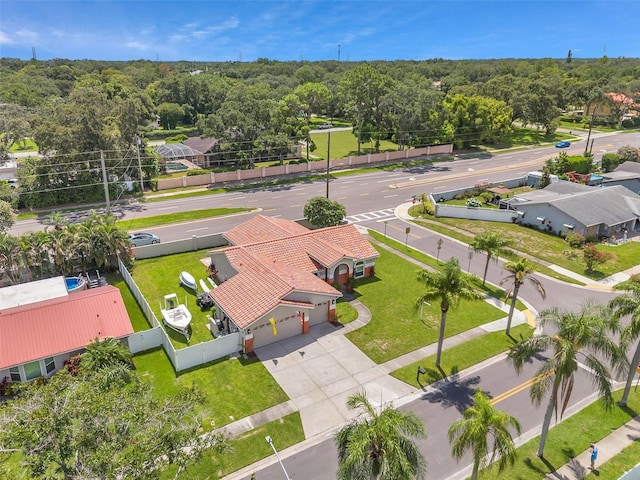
<point>141,239</point>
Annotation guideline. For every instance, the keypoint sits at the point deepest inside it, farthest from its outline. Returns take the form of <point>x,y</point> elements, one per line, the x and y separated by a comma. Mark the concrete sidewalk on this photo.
<point>608,447</point>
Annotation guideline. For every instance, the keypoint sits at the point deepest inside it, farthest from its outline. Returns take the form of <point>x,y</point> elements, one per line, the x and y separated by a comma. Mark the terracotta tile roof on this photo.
<point>271,269</point>
<point>60,325</point>
<point>261,228</point>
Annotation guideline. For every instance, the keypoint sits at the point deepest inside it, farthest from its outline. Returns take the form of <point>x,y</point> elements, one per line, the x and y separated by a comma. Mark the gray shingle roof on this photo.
<point>609,206</point>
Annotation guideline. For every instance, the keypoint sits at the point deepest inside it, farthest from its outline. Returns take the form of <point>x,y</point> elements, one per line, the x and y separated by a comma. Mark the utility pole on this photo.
<point>106,183</point>
<point>586,148</point>
<point>139,164</point>
<point>338,52</point>
<point>328,158</point>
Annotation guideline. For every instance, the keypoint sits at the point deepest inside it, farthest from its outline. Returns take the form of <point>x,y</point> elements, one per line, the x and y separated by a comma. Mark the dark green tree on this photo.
<point>322,212</point>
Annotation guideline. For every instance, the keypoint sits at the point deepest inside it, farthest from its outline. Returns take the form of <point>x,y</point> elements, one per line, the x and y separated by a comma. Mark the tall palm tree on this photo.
<point>521,270</point>
<point>580,336</point>
<point>449,285</point>
<point>491,243</point>
<point>629,304</point>
<point>10,258</point>
<point>379,445</point>
<point>473,430</point>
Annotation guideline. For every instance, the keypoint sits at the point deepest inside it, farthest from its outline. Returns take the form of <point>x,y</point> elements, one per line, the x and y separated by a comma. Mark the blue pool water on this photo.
<point>73,283</point>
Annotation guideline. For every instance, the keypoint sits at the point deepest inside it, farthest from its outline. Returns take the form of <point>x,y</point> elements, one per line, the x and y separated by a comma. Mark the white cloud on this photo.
<point>6,39</point>
<point>136,45</point>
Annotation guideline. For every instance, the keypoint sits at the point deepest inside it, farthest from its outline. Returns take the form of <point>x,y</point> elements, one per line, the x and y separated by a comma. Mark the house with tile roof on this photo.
<point>38,333</point>
<point>275,280</point>
<point>571,207</point>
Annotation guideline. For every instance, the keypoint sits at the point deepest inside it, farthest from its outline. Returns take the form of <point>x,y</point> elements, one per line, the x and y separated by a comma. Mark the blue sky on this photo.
<point>312,30</point>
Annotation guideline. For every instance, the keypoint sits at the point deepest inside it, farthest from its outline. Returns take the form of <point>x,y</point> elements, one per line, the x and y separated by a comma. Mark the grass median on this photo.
<point>178,217</point>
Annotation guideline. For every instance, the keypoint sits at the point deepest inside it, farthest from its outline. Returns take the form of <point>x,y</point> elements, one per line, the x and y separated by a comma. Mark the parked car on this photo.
<point>563,144</point>
<point>324,126</point>
<point>141,239</point>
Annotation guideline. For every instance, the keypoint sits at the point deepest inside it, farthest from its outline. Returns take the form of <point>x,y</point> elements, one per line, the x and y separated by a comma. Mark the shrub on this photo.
<point>575,239</point>
<point>609,162</point>
<point>73,365</point>
<point>474,202</point>
<point>486,197</point>
<point>594,257</point>
<point>427,207</point>
<point>199,171</point>
<point>179,138</point>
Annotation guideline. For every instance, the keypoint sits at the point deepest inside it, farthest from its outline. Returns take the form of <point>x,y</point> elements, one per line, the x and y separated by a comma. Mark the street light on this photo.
<point>270,442</point>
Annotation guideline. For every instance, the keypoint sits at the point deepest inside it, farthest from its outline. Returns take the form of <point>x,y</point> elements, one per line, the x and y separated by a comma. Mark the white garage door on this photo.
<point>286,328</point>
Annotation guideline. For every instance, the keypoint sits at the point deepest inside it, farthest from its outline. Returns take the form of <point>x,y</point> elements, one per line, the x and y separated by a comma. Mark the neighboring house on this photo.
<point>206,149</point>
<point>276,278</point>
<point>615,106</point>
<point>571,207</point>
<point>174,152</point>
<point>42,325</point>
<point>626,174</point>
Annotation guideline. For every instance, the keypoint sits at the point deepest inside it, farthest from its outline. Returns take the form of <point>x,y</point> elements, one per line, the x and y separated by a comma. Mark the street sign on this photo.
<point>407,230</point>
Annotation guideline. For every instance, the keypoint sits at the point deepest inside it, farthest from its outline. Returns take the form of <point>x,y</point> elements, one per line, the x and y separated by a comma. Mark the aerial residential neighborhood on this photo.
<point>228,252</point>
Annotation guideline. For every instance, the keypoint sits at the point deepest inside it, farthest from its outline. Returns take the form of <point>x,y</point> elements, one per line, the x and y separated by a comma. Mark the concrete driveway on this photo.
<point>319,372</point>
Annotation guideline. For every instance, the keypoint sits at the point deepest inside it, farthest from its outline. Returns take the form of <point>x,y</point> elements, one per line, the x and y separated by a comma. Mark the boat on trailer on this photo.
<point>188,281</point>
<point>176,315</point>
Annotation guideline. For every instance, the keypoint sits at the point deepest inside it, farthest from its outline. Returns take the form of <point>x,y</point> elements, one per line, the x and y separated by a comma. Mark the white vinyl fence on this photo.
<point>183,358</point>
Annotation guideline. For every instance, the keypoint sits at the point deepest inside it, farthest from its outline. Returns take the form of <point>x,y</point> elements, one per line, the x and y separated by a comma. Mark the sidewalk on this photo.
<point>608,447</point>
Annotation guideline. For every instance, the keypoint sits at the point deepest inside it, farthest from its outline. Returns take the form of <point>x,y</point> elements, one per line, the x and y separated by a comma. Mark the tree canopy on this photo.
<point>322,212</point>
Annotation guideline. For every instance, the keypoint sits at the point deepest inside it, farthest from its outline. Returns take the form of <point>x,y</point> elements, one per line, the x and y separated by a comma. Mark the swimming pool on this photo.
<point>74,283</point>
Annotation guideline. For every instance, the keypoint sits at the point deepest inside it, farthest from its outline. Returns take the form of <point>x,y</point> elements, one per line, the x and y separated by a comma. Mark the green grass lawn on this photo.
<point>246,449</point>
<point>157,277</point>
<point>618,465</point>
<point>345,144</point>
<point>567,439</point>
<point>138,320</point>
<point>234,388</point>
<point>465,355</point>
<point>487,289</point>
<point>345,313</point>
<point>27,146</point>
<point>545,246</point>
<point>395,327</point>
<point>170,218</point>
<point>522,136</point>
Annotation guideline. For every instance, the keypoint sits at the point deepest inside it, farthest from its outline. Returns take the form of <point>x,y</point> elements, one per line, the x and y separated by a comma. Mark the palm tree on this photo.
<point>473,430</point>
<point>584,334</point>
<point>629,304</point>
<point>379,445</point>
<point>521,270</point>
<point>493,244</point>
<point>449,285</point>
<point>105,353</point>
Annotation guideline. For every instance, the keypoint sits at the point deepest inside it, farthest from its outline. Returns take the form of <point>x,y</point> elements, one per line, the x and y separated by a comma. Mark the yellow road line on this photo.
<point>531,320</point>
<point>512,392</point>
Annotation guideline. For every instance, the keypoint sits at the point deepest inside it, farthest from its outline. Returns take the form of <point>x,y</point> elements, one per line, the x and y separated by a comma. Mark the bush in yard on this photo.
<point>474,202</point>
<point>609,162</point>
<point>594,257</point>
<point>198,171</point>
<point>575,239</point>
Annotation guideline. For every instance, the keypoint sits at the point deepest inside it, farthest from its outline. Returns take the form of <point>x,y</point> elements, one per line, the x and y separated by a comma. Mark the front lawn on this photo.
<point>567,439</point>
<point>546,246</point>
<point>248,448</point>
<point>465,355</point>
<point>234,388</point>
<point>395,327</point>
<point>157,277</point>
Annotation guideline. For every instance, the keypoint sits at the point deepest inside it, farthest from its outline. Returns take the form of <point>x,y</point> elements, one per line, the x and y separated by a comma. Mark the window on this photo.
<point>32,370</point>
<point>49,364</point>
<point>15,374</point>
<point>358,270</point>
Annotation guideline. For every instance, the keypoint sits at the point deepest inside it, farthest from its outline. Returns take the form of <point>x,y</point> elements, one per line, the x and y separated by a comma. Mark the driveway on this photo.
<point>319,372</point>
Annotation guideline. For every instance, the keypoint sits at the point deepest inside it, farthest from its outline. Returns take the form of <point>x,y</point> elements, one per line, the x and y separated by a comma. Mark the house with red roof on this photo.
<point>276,279</point>
<point>38,335</point>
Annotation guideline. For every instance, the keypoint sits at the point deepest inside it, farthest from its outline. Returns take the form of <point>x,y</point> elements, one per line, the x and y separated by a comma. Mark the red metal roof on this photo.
<point>65,324</point>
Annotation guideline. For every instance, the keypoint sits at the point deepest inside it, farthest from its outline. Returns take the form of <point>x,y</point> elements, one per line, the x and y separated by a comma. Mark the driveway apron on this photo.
<point>320,370</point>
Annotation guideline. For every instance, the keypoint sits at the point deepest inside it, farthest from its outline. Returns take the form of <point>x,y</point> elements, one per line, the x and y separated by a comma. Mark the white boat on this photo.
<point>188,281</point>
<point>176,315</point>
<point>203,286</point>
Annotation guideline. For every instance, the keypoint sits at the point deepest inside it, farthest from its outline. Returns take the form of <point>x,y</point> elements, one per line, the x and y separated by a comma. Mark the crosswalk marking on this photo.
<point>375,215</point>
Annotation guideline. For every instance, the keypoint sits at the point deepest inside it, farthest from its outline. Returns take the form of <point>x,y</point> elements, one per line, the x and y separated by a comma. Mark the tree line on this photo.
<point>259,109</point>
